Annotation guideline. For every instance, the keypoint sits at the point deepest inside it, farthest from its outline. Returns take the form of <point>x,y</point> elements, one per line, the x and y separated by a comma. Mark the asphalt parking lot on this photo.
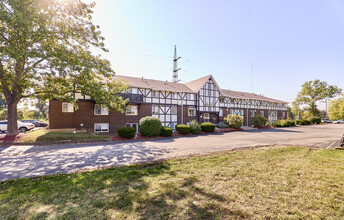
<point>28,161</point>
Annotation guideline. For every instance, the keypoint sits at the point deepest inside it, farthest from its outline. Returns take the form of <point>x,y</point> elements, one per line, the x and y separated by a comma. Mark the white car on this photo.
<point>340,121</point>
<point>21,126</point>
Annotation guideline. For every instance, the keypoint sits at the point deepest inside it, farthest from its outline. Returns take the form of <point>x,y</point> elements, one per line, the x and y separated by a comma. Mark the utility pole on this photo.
<point>175,66</point>
<point>326,102</point>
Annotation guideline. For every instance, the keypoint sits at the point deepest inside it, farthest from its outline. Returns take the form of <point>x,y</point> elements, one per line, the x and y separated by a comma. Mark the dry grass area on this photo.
<point>45,135</point>
<point>284,182</point>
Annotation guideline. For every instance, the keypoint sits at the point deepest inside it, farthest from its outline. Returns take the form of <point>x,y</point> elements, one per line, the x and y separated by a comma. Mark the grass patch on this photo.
<point>278,183</point>
<point>44,135</point>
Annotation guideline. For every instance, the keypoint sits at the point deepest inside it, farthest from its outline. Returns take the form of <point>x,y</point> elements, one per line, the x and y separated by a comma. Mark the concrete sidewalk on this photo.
<point>28,161</point>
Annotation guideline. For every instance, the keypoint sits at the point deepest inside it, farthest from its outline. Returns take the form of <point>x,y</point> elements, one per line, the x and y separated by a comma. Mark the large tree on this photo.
<point>42,107</point>
<point>45,53</point>
<point>336,108</point>
<point>314,91</point>
<point>295,109</point>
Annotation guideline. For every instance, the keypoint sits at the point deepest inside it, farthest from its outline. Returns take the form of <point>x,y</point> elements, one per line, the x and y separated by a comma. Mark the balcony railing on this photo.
<point>137,98</point>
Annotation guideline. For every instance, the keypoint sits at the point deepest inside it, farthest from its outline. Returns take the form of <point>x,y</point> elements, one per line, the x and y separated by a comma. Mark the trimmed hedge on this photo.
<point>234,121</point>
<point>303,122</point>
<point>195,127</point>
<point>126,132</point>
<point>284,123</point>
<point>183,129</point>
<point>258,121</point>
<point>315,120</point>
<point>208,127</point>
<point>166,131</point>
<point>150,126</point>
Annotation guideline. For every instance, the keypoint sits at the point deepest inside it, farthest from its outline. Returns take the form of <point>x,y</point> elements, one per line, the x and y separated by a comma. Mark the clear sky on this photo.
<point>287,42</point>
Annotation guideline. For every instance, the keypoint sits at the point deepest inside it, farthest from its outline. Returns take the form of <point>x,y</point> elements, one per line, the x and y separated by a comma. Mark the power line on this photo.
<point>142,67</point>
<point>141,54</point>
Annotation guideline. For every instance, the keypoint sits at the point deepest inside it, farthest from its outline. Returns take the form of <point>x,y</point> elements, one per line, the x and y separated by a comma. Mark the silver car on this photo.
<point>23,127</point>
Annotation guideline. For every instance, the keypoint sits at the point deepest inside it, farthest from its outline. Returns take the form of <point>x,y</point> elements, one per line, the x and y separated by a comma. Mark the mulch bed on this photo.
<point>10,138</point>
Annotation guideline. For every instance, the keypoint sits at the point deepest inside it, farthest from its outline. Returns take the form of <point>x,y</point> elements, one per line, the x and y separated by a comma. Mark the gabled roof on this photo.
<point>196,85</point>
<point>248,95</point>
<point>190,87</point>
<point>154,84</point>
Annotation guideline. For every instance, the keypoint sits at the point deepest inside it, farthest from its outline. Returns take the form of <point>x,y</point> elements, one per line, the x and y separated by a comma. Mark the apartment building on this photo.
<point>173,103</point>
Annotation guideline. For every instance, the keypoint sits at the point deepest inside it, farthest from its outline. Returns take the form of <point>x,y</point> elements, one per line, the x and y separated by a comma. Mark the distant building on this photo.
<point>173,103</point>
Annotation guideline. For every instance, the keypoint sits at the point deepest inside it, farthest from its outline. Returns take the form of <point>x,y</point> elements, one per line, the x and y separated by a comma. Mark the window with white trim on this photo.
<point>221,112</point>
<point>155,109</point>
<point>131,110</point>
<point>67,107</point>
<point>101,127</point>
<point>262,113</point>
<point>100,110</point>
<point>133,125</point>
<point>192,111</point>
<point>251,113</point>
<point>174,110</point>
<point>212,101</point>
<point>283,115</point>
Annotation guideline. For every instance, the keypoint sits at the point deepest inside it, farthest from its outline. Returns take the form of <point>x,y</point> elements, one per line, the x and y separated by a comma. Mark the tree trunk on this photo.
<point>12,124</point>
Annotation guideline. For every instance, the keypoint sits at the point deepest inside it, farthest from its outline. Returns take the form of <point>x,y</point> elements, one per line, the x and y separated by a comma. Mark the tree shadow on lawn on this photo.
<point>152,191</point>
<point>38,161</point>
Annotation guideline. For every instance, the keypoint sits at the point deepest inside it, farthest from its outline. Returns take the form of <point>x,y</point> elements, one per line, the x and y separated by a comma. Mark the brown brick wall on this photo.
<point>85,115</point>
<point>186,117</point>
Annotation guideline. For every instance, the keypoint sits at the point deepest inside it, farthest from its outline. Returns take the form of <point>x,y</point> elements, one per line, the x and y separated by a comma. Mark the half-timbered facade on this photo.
<point>173,103</point>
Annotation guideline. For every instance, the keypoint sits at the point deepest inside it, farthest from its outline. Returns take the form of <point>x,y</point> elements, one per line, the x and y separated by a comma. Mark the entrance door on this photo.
<point>206,117</point>
<point>133,125</point>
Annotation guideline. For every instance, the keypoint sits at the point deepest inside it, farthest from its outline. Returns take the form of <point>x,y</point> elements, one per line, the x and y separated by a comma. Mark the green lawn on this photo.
<point>284,182</point>
<point>44,135</point>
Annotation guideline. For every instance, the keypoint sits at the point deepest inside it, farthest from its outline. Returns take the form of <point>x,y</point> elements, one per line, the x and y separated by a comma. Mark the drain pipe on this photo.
<point>247,116</point>
<point>182,111</point>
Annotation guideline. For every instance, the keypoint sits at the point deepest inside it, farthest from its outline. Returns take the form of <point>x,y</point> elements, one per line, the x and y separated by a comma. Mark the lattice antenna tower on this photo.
<point>175,66</point>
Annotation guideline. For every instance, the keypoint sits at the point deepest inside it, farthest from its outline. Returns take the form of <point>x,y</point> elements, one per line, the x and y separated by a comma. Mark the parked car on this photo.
<point>23,127</point>
<point>325,120</point>
<point>36,122</point>
<point>340,121</point>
